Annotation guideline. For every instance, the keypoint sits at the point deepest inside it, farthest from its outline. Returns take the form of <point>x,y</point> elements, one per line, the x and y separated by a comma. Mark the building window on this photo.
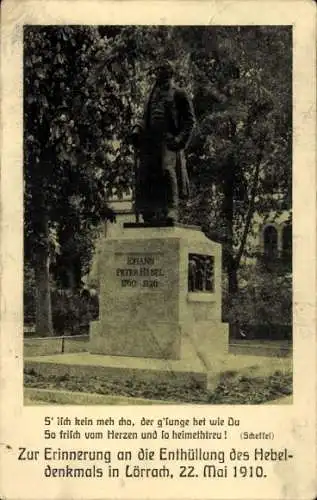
<point>270,242</point>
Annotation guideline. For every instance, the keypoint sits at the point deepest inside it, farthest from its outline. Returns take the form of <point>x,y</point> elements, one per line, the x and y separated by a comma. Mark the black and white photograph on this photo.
<point>158,250</point>
<point>157,214</point>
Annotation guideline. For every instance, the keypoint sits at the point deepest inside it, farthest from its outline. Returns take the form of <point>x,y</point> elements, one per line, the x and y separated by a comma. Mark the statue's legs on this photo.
<point>157,185</point>
<point>170,208</point>
<point>148,216</point>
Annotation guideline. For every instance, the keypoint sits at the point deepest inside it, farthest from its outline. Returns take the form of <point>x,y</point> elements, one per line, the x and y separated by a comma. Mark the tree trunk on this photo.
<point>233,286</point>
<point>230,264</point>
<point>44,323</point>
<point>250,212</point>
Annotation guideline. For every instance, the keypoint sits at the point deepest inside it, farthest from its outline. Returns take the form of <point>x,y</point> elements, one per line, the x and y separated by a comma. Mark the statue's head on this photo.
<point>164,71</point>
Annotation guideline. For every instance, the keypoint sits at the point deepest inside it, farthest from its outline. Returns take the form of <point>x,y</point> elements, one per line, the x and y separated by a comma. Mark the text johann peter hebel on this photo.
<point>160,448</point>
<point>142,271</point>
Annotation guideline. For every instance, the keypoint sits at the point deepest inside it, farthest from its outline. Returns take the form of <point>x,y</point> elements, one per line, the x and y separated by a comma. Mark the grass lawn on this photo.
<point>238,389</point>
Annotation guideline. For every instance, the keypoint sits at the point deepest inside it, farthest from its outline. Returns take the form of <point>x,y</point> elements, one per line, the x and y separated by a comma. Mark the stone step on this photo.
<point>176,372</point>
<point>187,372</point>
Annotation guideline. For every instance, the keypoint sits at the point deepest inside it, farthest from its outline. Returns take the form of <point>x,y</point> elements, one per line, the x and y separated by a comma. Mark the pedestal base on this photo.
<point>146,307</point>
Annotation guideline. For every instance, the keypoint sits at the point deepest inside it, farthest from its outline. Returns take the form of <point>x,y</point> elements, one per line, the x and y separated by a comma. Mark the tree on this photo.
<point>241,154</point>
<point>67,126</point>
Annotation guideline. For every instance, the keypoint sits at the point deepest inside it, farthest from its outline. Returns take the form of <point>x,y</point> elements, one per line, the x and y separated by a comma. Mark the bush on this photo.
<point>72,311</point>
<point>264,298</point>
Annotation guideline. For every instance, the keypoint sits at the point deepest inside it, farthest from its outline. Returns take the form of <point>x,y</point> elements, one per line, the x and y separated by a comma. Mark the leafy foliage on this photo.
<point>84,86</point>
<point>264,298</point>
<point>241,158</point>
<point>67,125</point>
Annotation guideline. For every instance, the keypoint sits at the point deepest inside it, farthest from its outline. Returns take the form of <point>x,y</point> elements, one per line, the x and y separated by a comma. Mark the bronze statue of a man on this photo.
<point>161,138</point>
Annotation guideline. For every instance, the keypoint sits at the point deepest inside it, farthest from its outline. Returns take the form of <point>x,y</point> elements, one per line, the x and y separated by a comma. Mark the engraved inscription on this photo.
<point>140,271</point>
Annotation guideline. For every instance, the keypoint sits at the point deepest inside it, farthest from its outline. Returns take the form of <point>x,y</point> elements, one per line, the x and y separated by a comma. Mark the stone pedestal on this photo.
<point>160,317</point>
<point>149,308</point>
